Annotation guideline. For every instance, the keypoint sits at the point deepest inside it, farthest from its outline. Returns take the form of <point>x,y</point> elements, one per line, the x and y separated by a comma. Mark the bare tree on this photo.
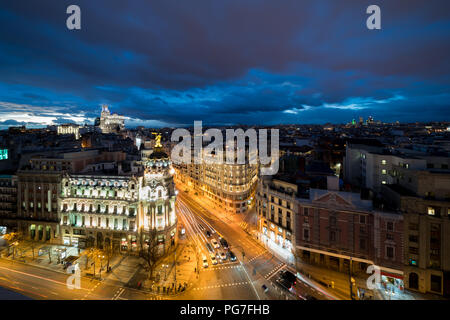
<point>149,249</point>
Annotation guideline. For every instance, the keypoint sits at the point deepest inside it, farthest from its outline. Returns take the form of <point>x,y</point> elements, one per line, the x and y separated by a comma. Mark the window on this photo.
<point>305,211</point>
<point>333,221</point>
<point>390,226</point>
<point>305,234</point>
<point>362,244</point>
<point>362,219</point>
<point>390,252</point>
<point>383,182</point>
<point>389,236</point>
<point>413,238</point>
<point>430,211</point>
<point>383,161</point>
<point>332,236</point>
<point>383,171</point>
<point>413,250</point>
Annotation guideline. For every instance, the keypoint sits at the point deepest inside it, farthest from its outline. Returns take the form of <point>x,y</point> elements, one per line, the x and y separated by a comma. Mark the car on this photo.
<point>210,249</point>
<point>232,256</point>
<point>222,255</point>
<point>208,234</point>
<point>201,226</point>
<point>212,255</point>
<point>224,243</point>
<point>215,243</point>
<point>213,260</point>
<point>205,262</point>
<point>289,276</point>
<point>285,283</point>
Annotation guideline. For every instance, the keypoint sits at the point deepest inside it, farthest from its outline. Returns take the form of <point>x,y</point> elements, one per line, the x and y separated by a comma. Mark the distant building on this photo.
<point>370,166</point>
<point>69,128</point>
<point>111,123</point>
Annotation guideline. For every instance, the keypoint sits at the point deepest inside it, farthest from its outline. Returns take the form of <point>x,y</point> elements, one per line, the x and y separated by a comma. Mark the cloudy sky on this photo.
<point>170,62</point>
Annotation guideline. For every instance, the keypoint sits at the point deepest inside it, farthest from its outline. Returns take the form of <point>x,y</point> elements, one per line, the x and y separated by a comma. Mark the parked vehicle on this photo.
<point>201,226</point>
<point>215,243</point>
<point>232,256</point>
<point>205,262</point>
<point>213,260</point>
<point>222,255</point>
<point>224,243</point>
<point>208,234</point>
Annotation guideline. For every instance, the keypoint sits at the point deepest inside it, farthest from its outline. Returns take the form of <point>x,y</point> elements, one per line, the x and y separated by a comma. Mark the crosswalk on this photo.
<point>272,272</point>
<point>225,285</point>
<point>243,225</point>
<point>237,266</point>
<point>258,255</point>
<point>157,298</point>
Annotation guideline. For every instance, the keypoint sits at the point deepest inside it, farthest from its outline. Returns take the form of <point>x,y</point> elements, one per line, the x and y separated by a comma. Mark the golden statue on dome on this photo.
<point>157,140</point>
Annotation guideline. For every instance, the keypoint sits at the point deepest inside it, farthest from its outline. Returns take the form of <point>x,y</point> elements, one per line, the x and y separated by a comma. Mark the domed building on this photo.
<point>157,197</point>
<point>120,204</point>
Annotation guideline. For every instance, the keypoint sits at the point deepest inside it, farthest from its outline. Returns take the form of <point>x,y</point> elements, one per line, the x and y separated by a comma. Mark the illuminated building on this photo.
<point>69,128</point>
<point>111,123</point>
<point>111,206</point>
<point>157,197</point>
<point>229,186</point>
<point>422,195</point>
<point>8,203</point>
<point>276,207</point>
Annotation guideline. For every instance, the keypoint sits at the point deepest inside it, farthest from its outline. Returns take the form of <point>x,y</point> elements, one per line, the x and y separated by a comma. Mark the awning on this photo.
<point>392,275</point>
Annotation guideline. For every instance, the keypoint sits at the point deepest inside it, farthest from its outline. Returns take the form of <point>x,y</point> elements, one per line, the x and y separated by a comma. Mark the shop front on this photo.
<point>392,283</point>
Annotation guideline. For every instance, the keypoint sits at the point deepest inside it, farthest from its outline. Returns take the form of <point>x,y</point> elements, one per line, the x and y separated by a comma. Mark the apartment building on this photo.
<point>423,197</point>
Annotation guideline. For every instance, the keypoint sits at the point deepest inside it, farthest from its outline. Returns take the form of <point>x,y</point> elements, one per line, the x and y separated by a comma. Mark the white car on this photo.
<point>205,262</point>
<point>213,260</point>
<point>215,243</point>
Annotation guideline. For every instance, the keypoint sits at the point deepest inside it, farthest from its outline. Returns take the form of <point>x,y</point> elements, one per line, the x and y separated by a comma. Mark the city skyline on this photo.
<point>224,63</point>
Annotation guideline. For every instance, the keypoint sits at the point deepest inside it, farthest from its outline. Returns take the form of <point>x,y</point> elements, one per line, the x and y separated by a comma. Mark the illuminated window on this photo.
<point>383,182</point>
<point>431,211</point>
<point>383,161</point>
<point>383,171</point>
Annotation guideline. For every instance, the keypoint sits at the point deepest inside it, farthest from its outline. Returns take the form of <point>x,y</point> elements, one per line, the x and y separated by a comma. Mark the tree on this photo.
<point>108,252</point>
<point>92,254</point>
<point>149,249</point>
<point>13,239</point>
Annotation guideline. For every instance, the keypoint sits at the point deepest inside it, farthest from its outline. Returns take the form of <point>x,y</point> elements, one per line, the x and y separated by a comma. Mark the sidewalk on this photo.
<point>24,254</point>
<point>171,277</point>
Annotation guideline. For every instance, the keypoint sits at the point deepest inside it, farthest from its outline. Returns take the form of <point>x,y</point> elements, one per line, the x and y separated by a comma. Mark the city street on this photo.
<point>243,279</point>
<point>238,280</point>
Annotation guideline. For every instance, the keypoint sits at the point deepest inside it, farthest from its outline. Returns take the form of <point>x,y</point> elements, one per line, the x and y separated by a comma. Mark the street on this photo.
<point>241,279</point>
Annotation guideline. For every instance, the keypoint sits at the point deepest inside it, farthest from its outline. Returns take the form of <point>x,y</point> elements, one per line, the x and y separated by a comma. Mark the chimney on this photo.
<point>332,183</point>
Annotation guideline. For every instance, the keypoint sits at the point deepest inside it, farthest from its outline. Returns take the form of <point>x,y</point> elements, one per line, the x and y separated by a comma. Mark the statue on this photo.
<point>157,140</point>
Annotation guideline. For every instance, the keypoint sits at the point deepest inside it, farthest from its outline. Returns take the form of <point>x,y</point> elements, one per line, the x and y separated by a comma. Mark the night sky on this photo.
<point>170,62</point>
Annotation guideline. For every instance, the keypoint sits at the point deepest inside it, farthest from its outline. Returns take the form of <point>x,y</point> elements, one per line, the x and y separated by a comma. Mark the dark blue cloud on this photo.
<point>171,62</point>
